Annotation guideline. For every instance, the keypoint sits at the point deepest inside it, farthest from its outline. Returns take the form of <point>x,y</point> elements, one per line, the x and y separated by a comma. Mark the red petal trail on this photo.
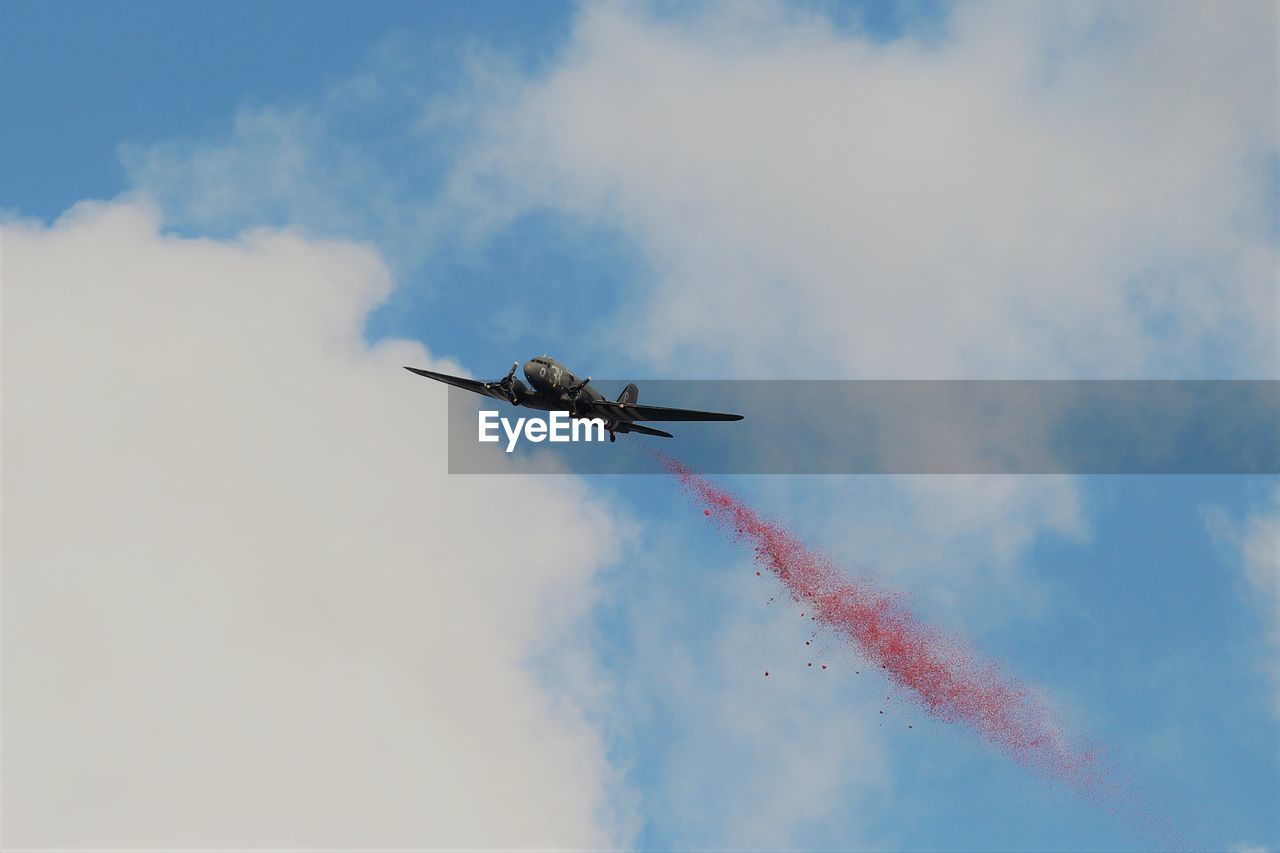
<point>935,670</point>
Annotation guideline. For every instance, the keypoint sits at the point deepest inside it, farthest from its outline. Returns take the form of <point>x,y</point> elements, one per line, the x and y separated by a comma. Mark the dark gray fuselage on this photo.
<point>551,387</point>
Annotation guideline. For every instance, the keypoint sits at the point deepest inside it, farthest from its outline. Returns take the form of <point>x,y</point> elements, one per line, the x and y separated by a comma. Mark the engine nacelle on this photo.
<point>516,391</point>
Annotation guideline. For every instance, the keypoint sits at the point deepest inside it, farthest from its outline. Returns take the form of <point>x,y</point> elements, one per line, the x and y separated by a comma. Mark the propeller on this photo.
<point>507,383</point>
<point>574,391</point>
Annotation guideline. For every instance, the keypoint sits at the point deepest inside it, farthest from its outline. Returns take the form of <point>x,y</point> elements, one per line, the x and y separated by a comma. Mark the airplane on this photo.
<point>555,388</point>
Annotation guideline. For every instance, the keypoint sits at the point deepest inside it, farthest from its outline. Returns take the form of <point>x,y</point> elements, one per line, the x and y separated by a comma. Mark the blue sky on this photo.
<point>458,141</point>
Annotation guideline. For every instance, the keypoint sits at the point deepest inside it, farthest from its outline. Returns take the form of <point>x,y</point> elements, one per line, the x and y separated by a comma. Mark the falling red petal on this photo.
<point>936,671</point>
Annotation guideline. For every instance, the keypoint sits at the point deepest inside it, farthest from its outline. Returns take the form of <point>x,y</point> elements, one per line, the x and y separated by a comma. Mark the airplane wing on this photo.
<point>488,389</point>
<point>635,412</point>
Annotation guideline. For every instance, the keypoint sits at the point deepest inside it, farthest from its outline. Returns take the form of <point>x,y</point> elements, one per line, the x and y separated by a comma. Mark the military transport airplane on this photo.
<point>555,388</point>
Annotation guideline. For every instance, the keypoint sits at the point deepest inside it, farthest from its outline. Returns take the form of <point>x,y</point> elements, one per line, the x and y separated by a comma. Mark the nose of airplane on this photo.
<point>531,373</point>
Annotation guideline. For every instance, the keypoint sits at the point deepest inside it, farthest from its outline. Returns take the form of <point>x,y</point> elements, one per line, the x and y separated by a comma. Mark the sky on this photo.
<point>244,604</point>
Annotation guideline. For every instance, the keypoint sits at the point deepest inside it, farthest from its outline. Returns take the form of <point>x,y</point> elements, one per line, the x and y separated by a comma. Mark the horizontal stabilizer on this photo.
<point>644,430</point>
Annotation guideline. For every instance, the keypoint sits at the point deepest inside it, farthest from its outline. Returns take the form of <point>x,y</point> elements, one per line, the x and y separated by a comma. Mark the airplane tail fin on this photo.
<point>629,395</point>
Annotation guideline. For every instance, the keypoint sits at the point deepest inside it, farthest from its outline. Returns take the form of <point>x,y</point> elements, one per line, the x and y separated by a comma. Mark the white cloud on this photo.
<point>243,605</point>
<point>1046,191</point>
<point>1246,847</point>
<point>1255,541</point>
<point>1260,550</point>
<point>957,542</point>
<point>1049,191</point>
